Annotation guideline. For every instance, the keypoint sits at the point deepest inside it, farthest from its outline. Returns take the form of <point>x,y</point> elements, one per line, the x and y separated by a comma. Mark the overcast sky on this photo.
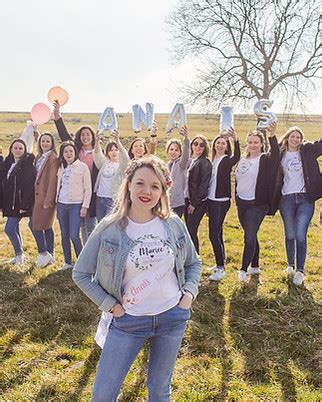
<point>104,52</point>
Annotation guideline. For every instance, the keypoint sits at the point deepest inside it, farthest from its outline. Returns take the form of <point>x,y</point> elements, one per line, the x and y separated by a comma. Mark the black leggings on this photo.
<point>193,220</point>
<point>217,211</point>
<point>250,217</point>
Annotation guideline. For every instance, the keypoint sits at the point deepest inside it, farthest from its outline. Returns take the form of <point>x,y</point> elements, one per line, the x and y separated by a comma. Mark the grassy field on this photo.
<point>257,342</point>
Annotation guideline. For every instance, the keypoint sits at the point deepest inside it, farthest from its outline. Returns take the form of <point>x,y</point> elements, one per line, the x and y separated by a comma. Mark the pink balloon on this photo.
<point>40,113</point>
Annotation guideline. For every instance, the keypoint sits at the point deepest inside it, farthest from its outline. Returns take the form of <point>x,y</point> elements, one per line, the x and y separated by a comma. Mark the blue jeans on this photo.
<point>250,217</point>
<point>44,239</point>
<point>87,226</point>
<point>126,337</point>
<point>69,222</point>
<point>296,212</point>
<point>193,220</point>
<point>217,211</point>
<point>104,206</point>
<point>12,230</point>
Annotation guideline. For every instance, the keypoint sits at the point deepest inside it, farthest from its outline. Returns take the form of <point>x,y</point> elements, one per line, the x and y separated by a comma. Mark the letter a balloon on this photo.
<point>40,113</point>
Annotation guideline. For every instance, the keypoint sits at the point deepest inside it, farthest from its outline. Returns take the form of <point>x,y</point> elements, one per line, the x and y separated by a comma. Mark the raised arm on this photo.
<point>153,139</point>
<point>99,158</point>
<point>185,149</point>
<point>236,155</point>
<point>60,125</point>
<point>123,155</point>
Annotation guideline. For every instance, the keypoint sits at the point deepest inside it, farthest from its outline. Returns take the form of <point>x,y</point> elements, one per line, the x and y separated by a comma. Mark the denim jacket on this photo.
<point>100,266</point>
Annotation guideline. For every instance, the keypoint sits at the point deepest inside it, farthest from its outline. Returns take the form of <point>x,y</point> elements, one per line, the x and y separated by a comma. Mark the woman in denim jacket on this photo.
<point>140,265</point>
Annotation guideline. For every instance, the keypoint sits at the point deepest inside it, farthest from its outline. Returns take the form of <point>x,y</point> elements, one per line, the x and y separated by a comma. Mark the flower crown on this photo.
<point>147,161</point>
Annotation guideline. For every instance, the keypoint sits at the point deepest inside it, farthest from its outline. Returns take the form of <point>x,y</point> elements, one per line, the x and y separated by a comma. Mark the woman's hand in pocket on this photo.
<point>186,301</point>
<point>118,310</point>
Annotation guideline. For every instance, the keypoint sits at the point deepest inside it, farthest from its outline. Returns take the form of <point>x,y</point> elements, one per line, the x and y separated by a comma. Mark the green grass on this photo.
<point>255,342</point>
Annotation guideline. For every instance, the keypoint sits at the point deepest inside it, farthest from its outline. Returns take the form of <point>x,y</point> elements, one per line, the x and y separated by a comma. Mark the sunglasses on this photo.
<point>198,144</point>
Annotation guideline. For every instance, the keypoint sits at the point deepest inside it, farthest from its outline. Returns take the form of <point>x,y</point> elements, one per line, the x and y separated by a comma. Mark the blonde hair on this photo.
<point>123,203</point>
<point>258,134</point>
<point>283,143</point>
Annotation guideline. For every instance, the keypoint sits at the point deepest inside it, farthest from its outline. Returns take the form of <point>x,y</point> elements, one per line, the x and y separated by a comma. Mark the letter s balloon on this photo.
<point>265,117</point>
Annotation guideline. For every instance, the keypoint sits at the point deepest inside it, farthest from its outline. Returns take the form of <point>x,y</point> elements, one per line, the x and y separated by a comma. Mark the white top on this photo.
<point>104,188</point>
<point>293,173</point>
<point>150,252</point>
<point>246,177</point>
<point>11,169</point>
<point>63,196</point>
<point>213,181</point>
<point>40,162</point>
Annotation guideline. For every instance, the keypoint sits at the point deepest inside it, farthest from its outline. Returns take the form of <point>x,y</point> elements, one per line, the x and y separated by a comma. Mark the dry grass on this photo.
<point>257,342</point>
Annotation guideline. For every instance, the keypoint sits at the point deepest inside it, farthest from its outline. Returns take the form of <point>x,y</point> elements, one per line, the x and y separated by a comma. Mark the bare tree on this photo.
<point>248,49</point>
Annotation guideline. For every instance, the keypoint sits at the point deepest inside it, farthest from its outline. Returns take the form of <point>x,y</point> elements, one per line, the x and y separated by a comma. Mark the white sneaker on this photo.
<point>66,266</point>
<point>290,271</point>
<point>218,274</point>
<point>19,259</point>
<point>298,278</point>
<point>44,259</point>
<point>242,276</point>
<point>12,261</point>
<point>253,270</point>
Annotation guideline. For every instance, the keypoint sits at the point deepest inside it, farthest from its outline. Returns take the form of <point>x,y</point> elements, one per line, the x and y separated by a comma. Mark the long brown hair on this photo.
<point>174,141</point>
<point>213,150</point>
<point>206,147</point>
<point>78,141</point>
<point>131,155</point>
<point>258,134</point>
<point>61,152</point>
<point>53,144</point>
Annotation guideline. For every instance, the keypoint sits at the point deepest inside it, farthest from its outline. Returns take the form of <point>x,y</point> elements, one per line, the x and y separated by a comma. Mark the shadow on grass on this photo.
<point>89,367</point>
<point>276,335</point>
<point>48,317</point>
<point>207,334</point>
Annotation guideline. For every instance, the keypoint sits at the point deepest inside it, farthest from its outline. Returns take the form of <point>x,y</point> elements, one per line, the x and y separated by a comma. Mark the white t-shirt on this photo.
<point>246,177</point>
<point>213,181</point>
<point>11,169</point>
<point>293,173</point>
<point>40,162</point>
<point>104,188</point>
<point>151,251</point>
<point>63,197</point>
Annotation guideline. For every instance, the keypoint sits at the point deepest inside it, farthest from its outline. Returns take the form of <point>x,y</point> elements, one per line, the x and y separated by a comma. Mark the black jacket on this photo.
<point>223,188</point>
<point>309,153</point>
<point>198,180</point>
<point>18,189</point>
<point>65,136</point>
<point>1,186</point>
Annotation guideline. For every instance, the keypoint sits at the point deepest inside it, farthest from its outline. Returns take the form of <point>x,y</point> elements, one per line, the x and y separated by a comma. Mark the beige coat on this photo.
<point>45,194</point>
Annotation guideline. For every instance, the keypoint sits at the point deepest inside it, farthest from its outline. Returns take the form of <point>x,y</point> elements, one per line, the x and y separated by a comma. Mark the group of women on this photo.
<point>81,183</point>
<point>145,266</point>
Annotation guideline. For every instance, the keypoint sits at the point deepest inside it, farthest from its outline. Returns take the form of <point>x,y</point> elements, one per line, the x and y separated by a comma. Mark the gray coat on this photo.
<point>178,172</point>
